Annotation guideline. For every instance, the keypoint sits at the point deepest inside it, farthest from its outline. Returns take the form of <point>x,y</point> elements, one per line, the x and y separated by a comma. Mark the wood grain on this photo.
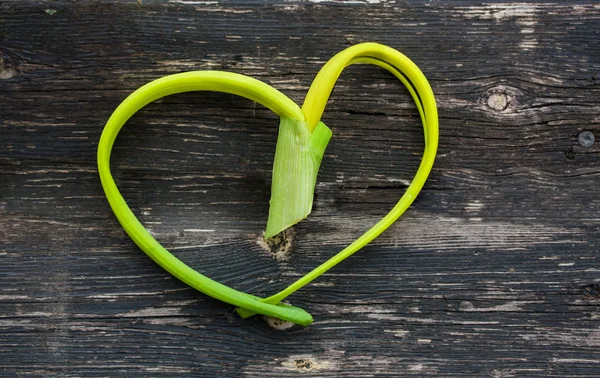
<point>494,271</point>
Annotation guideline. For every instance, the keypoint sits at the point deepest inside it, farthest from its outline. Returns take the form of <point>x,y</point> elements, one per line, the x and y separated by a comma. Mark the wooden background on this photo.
<point>494,271</point>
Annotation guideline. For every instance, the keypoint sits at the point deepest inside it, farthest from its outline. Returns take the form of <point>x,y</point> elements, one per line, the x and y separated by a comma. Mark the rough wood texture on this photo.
<point>494,271</point>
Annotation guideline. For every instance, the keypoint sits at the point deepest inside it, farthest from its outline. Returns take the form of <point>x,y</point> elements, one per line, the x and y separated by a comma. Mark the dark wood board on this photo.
<point>494,270</point>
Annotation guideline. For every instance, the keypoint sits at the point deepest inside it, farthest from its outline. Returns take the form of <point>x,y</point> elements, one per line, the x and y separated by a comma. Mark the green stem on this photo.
<point>416,83</point>
<point>191,81</point>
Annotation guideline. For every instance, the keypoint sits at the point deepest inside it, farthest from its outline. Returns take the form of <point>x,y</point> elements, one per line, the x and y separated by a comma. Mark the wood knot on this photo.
<point>278,246</point>
<point>278,324</point>
<point>501,99</point>
<point>498,101</point>
<point>304,364</point>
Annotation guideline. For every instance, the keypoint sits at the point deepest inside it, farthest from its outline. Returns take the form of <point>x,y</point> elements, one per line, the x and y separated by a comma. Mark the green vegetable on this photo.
<point>299,151</point>
<point>298,156</point>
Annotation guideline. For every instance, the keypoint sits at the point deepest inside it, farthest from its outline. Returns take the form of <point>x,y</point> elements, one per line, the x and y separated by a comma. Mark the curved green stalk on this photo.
<point>416,83</point>
<point>296,163</point>
<point>191,81</point>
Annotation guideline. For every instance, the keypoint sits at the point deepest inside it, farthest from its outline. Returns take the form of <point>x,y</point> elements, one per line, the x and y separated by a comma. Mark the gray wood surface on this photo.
<point>494,271</point>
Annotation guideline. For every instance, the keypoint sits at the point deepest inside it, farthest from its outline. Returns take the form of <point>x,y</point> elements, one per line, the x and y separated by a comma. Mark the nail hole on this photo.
<point>586,139</point>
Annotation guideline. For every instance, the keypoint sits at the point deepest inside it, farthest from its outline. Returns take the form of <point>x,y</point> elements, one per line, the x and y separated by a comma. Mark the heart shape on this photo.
<point>308,117</point>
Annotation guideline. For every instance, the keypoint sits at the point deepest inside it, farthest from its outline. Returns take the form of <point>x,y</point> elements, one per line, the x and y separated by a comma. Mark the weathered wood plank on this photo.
<point>494,270</point>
